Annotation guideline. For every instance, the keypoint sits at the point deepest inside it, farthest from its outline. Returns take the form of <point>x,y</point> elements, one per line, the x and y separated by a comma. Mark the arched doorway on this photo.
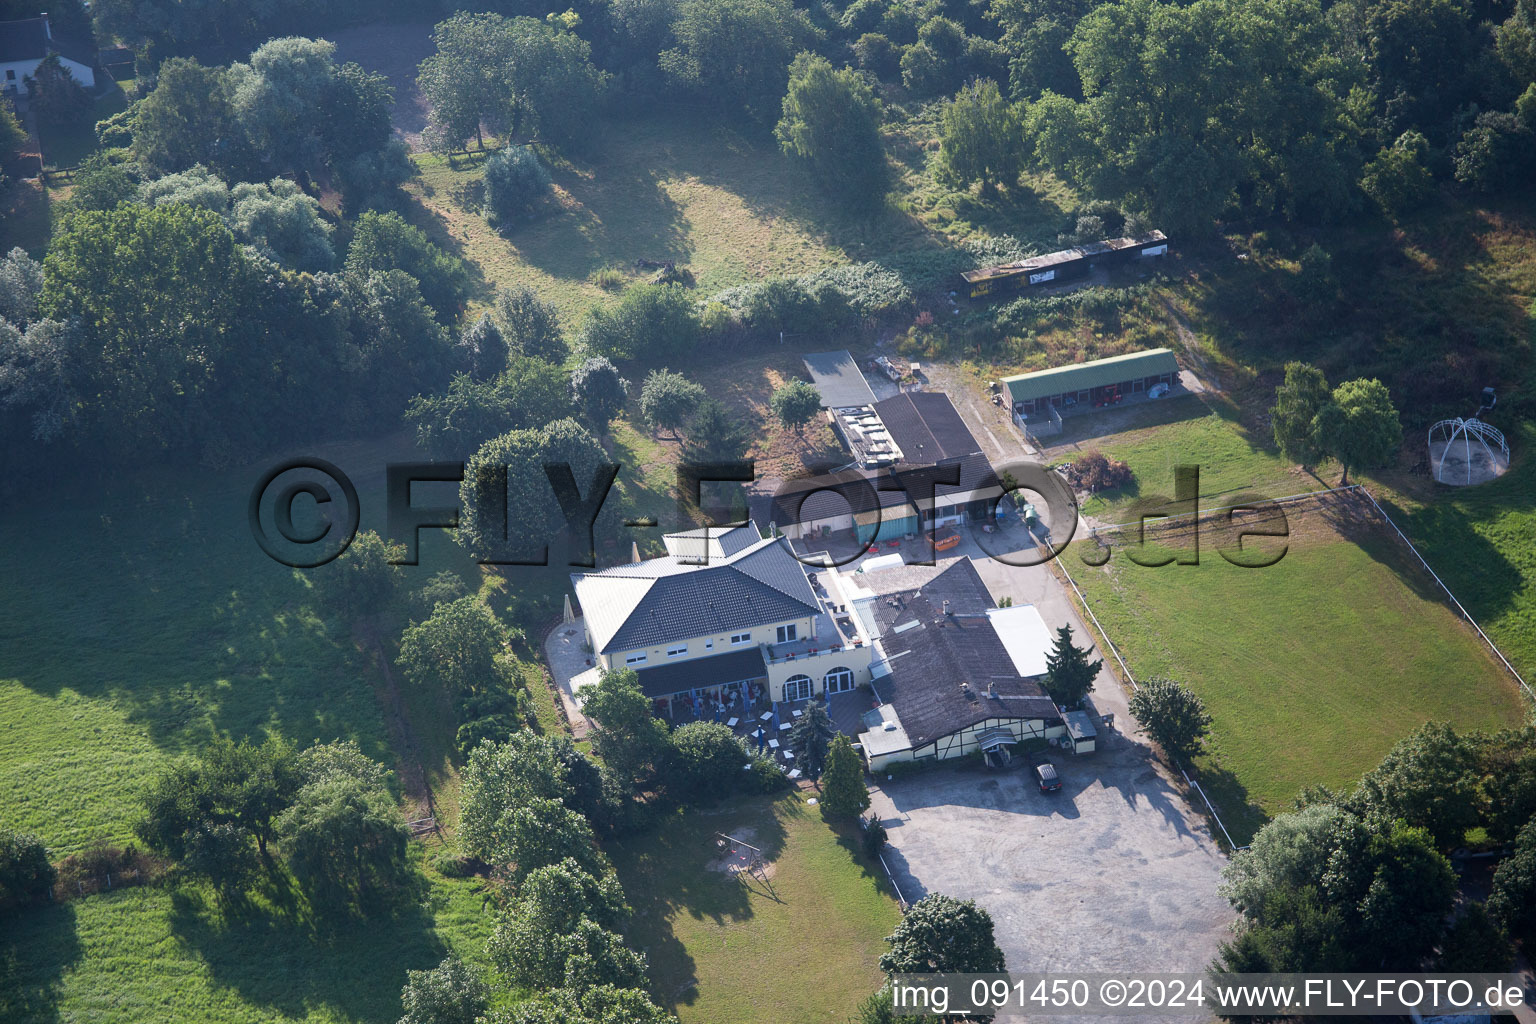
<point>839,679</point>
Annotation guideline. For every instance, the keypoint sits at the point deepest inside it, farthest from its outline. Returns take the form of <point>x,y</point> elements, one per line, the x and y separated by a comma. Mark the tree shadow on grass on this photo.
<point>287,961</point>
<point>38,946</point>
<point>668,872</point>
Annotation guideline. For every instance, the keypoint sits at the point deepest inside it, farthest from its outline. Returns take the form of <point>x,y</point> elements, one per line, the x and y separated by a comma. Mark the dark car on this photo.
<point>1050,782</point>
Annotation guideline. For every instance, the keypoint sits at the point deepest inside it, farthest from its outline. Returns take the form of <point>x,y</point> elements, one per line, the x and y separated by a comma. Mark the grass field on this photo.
<point>174,954</point>
<point>1193,430</point>
<point>1311,668</point>
<point>802,948</point>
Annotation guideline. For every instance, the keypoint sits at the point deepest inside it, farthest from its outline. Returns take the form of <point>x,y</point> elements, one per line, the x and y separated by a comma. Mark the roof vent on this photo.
<point>946,607</point>
<point>890,726</point>
<point>991,689</point>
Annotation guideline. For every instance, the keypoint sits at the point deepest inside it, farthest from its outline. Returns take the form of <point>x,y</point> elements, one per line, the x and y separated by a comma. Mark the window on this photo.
<point>677,649</point>
<point>786,634</point>
<point>797,688</point>
<point>635,658</point>
<point>740,638</point>
<point>10,75</point>
<point>839,679</point>
<point>709,645</point>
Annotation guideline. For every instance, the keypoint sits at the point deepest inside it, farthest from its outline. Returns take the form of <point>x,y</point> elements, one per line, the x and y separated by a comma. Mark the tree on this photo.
<point>715,434</point>
<point>282,223</point>
<point>1173,716</point>
<point>450,993</point>
<point>12,135</point>
<point>1396,888</point>
<point>26,875</point>
<point>630,739</point>
<point>1421,53</point>
<point>1359,427</point>
<point>844,794</point>
<point>653,322</point>
<point>363,582</point>
<point>1513,899</point>
<point>1495,153</point>
<point>464,81</point>
<point>1430,781</point>
<point>483,349</point>
<point>831,125</point>
<point>1246,108</point>
<point>1069,675</point>
<point>102,181</point>
<point>21,280</point>
<point>515,181</point>
<point>982,140</point>
<point>1475,944</point>
<point>526,767</point>
<point>55,95</point>
<point>810,736</point>
<point>942,935</point>
<point>459,647</point>
<point>705,763</point>
<point>163,298</point>
<point>531,325</point>
<point>384,241</point>
<point>733,53</point>
<point>555,88</point>
<point>188,118</point>
<point>1290,852</point>
<point>668,399</point>
<point>877,55</point>
<point>602,1004</point>
<point>540,833</point>
<point>510,511</point>
<point>231,793</point>
<point>345,840</point>
<point>279,97</point>
<point>795,403</point>
<point>527,394</point>
<point>1294,415</point>
<point>598,391</point>
<point>1507,765</point>
<point>1398,179</point>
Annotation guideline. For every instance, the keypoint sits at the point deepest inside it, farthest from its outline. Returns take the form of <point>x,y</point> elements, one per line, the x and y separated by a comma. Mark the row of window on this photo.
<point>785,634</point>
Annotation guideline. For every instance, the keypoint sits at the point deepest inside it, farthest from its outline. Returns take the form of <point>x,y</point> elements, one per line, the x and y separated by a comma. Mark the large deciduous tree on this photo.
<point>732,54</point>
<point>943,935</point>
<point>459,647</point>
<point>831,126</point>
<point>1359,426</point>
<point>983,139</point>
<point>630,739</point>
<point>794,403</point>
<point>598,392</point>
<point>510,510</point>
<point>531,325</point>
<point>668,399</point>
<point>653,322</point>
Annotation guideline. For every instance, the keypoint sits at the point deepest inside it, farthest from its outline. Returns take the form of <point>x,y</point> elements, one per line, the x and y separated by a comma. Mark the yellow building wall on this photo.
<point>722,645</point>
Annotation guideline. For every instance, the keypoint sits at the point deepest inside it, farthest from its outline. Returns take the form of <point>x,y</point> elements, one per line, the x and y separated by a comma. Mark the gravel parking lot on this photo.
<point>1111,873</point>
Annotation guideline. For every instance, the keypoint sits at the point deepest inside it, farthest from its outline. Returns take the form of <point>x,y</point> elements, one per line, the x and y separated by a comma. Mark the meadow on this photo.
<point>1311,667</point>
<point>802,946</point>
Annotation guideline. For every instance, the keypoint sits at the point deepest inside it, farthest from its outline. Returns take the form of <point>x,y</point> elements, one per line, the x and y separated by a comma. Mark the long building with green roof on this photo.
<point>1092,383</point>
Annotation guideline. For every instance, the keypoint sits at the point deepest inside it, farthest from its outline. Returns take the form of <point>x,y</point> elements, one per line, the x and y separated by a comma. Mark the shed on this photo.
<point>1080,731</point>
<point>1062,386</point>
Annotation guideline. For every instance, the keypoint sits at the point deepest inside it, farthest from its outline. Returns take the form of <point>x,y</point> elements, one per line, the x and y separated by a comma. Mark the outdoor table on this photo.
<point>732,722</point>
<point>783,726</point>
<point>765,715</point>
<point>774,744</point>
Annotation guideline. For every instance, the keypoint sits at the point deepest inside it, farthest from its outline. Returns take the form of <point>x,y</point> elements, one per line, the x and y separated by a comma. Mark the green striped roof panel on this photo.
<point>1082,376</point>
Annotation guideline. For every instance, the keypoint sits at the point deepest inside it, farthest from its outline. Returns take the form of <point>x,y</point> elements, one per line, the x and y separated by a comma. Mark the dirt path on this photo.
<point>1191,345</point>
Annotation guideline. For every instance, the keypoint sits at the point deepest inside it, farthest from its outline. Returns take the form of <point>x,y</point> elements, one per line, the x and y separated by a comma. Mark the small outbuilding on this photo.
<point>1099,382</point>
<point>1064,265</point>
<point>1081,733</point>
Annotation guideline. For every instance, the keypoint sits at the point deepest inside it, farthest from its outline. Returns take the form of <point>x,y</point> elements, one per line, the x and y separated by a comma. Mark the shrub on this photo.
<point>1093,471</point>
<point>25,873</point>
<point>515,180</point>
<point>451,865</point>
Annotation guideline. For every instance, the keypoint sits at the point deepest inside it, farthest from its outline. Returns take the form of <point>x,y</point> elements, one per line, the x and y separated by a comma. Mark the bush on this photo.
<point>874,837</point>
<point>876,54</point>
<point>1093,471</point>
<point>451,865</point>
<point>515,180</point>
<point>26,876</point>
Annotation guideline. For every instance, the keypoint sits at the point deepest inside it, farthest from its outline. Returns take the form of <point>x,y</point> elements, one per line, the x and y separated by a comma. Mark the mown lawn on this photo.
<point>802,948</point>
<point>1311,668</point>
<point>1186,431</point>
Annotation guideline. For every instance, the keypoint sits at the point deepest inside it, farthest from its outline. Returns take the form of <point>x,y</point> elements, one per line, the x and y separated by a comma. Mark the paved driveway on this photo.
<point>1114,872</point>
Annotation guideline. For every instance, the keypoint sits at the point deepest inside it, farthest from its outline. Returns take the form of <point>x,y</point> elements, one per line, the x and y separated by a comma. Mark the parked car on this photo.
<point>1158,391</point>
<point>1050,782</point>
